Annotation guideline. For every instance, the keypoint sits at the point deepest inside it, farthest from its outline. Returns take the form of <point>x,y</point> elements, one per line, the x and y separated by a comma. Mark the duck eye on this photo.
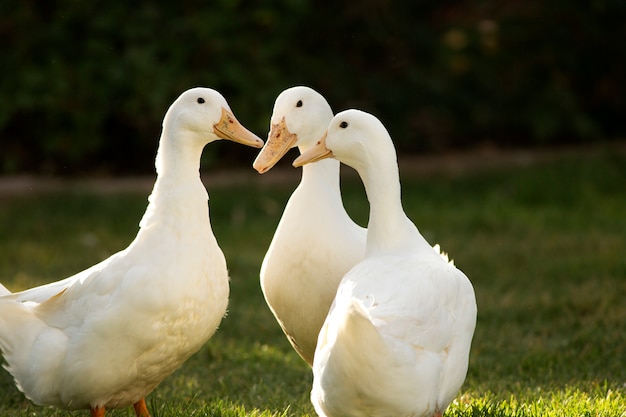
<point>299,103</point>
<point>343,125</point>
<point>200,100</point>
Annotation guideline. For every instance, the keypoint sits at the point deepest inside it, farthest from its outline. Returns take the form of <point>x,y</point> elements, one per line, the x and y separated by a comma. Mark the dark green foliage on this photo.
<point>85,85</point>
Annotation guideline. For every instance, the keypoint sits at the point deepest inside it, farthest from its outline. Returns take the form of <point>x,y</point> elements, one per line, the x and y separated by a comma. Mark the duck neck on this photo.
<point>178,195</point>
<point>322,174</point>
<point>178,157</point>
<point>389,229</point>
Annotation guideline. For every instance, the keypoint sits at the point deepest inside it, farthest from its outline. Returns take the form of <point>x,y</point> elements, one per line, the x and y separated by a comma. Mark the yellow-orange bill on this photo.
<point>279,141</point>
<point>317,152</point>
<point>229,128</point>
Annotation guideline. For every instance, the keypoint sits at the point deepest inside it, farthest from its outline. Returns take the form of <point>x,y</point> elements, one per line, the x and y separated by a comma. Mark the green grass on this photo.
<point>543,245</point>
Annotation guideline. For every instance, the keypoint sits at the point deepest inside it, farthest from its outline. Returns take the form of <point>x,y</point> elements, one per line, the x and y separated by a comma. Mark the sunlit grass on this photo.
<point>543,245</point>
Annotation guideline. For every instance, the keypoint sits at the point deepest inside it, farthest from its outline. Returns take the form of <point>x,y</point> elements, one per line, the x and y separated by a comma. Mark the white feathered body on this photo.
<point>396,342</point>
<point>106,337</point>
<point>110,334</point>
<point>316,242</point>
<point>299,276</point>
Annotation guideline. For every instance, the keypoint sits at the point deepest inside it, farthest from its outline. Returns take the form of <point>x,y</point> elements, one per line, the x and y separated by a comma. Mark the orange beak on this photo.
<point>229,128</point>
<point>316,153</point>
<point>279,141</point>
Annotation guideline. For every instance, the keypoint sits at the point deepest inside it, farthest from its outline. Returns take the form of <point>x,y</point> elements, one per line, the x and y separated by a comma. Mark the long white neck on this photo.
<point>389,229</point>
<point>324,173</point>
<point>178,195</point>
<point>178,157</point>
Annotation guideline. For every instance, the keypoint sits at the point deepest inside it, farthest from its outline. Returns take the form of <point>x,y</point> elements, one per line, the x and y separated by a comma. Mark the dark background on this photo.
<point>85,84</point>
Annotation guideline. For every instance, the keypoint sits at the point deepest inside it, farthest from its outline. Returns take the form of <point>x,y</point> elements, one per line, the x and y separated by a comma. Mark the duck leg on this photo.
<point>140,408</point>
<point>97,411</point>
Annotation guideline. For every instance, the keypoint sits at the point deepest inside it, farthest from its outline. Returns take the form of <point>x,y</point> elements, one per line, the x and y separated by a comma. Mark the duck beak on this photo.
<point>279,141</point>
<point>229,128</point>
<point>317,152</point>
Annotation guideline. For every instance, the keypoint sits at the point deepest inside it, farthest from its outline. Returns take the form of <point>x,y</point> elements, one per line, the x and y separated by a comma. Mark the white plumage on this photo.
<point>397,340</point>
<point>106,337</point>
<point>315,242</point>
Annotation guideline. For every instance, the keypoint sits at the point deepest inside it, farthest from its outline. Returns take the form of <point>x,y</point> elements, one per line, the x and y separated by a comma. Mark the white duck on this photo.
<point>396,341</point>
<point>316,242</point>
<point>106,337</point>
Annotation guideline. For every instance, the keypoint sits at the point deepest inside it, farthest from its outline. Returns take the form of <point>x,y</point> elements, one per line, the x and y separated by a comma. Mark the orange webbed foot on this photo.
<point>140,408</point>
<point>97,411</point>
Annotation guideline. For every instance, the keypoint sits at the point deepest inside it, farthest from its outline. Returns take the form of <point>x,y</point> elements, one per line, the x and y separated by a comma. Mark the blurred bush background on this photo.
<point>85,84</point>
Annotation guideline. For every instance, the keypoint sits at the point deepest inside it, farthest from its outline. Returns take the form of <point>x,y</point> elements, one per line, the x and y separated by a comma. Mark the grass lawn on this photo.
<point>544,246</point>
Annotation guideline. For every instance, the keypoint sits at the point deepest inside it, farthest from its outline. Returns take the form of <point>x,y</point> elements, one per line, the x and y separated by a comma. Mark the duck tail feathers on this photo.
<point>20,328</point>
<point>4,290</point>
<point>15,335</point>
